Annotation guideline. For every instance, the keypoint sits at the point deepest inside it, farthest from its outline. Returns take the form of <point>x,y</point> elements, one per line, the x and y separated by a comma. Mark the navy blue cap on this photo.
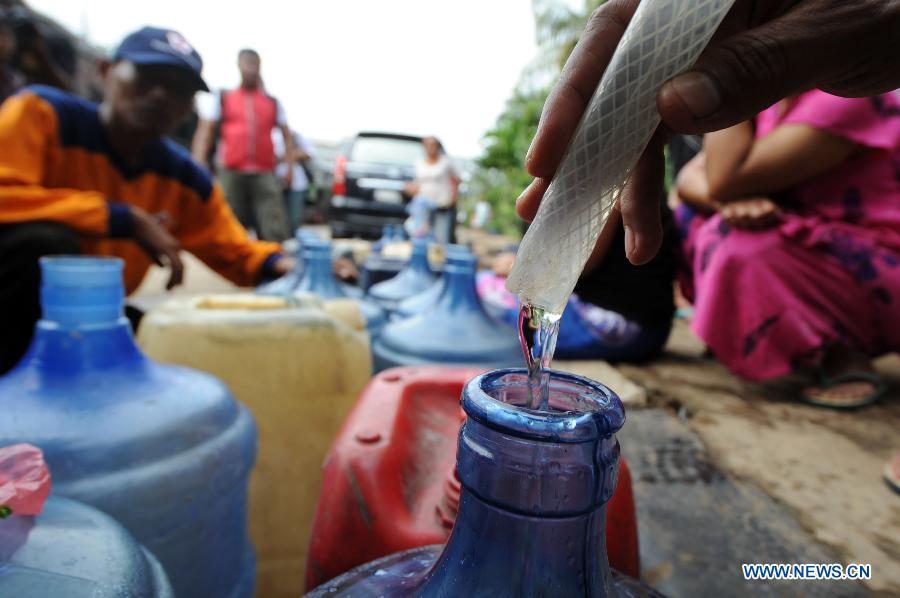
<point>152,45</point>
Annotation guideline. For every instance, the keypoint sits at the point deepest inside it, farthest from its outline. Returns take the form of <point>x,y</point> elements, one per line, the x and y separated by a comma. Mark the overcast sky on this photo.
<point>340,66</point>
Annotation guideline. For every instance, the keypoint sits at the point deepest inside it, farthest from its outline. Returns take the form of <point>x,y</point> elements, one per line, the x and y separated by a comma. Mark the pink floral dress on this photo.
<point>768,301</point>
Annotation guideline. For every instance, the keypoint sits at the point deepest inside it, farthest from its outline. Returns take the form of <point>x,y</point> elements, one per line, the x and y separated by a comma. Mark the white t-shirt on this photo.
<point>435,182</point>
<point>299,181</point>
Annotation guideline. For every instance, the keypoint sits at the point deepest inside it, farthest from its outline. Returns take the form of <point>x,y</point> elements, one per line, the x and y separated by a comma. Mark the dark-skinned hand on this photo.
<point>153,237</point>
<point>753,213</point>
<point>764,51</point>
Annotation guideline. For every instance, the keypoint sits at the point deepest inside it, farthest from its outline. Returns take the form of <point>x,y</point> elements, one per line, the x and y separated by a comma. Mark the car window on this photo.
<point>385,150</point>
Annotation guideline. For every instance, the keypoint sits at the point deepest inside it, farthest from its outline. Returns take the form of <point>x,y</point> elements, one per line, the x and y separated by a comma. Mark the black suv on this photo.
<point>369,180</point>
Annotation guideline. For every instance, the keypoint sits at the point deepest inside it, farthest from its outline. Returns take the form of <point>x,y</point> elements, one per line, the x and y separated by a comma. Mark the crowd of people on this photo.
<point>783,226</point>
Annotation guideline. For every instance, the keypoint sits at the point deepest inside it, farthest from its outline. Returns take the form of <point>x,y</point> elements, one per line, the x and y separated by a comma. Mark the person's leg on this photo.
<point>300,199</point>
<point>294,202</point>
<point>442,226</point>
<point>268,208</point>
<point>234,185</point>
<point>451,224</point>
<point>766,304</point>
<point>21,246</point>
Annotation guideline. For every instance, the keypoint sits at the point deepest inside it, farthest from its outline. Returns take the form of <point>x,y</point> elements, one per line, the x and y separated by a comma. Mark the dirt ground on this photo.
<point>821,469</point>
<point>823,466</point>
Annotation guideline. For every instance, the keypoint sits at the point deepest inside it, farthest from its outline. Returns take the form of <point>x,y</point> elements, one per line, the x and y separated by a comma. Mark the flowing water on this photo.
<point>538,330</point>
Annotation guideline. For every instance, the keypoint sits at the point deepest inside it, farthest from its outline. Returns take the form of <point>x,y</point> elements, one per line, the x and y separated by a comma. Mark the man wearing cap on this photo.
<point>76,177</point>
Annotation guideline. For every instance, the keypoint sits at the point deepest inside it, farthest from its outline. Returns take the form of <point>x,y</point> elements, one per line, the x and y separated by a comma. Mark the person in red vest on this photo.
<point>246,117</point>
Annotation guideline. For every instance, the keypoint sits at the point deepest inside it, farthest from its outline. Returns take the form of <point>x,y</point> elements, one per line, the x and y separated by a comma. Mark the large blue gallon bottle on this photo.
<point>72,550</point>
<point>412,280</point>
<point>318,276</point>
<point>532,510</point>
<point>165,450</point>
<point>454,330</point>
<point>419,303</point>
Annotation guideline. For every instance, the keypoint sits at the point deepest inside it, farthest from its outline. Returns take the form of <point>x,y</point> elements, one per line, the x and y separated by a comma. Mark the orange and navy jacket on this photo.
<point>56,165</point>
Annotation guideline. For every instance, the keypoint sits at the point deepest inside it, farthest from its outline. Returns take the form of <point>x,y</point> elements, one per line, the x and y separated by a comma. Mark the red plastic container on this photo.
<point>389,482</point>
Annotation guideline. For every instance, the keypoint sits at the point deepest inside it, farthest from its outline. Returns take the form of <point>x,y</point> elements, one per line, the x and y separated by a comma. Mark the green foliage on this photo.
<point>501,176</point>
<point>558,26</point>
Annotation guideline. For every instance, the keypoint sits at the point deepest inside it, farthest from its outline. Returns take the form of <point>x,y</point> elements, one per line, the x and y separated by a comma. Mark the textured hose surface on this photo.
<point>664,38</point>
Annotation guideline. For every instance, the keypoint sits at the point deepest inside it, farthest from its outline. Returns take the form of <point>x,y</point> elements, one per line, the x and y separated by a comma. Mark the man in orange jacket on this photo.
<point>101,179</point>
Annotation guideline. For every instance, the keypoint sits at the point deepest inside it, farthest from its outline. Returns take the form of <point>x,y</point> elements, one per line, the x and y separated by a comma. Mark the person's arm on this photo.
<point>212,233</point>
<point>289,147</point>
<point>692,187</point>
<point>789,155</point>
<point>772,47</point>
<point>454,185</point>
<point>28,130</point>
<point>203,140</point>
<point>724,152</point>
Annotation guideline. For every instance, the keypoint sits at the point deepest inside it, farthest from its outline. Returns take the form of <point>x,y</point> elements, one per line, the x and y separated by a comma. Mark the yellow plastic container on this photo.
<point>299,368</point>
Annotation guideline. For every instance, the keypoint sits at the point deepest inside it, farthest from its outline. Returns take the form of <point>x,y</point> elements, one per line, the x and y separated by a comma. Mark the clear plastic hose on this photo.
<point>664,38</point>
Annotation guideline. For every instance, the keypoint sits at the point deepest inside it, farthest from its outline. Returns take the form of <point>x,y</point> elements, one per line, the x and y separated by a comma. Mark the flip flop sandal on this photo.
<point>836,402</point>
<point>892,473</point>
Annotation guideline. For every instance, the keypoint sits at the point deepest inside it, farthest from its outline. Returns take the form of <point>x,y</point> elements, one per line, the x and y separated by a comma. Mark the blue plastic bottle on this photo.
<point>532,508</point>
<point>419,303</point>
<point>319,277</point>
<point>165,450</point>
<point>387,233</point>
<point>72,550</point>
<point>412,280</point>
<point>455,330</point>
<point>286,283</point>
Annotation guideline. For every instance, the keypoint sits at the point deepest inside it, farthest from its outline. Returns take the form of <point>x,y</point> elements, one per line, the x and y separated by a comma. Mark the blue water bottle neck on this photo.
<point>82,326</point>
<point>419,260</point>
<point>535,485</point>
<point>460,290</point>
<point>318,276</point>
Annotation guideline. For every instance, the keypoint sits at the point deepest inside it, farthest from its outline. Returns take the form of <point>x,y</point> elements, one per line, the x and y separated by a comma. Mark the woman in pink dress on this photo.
<point>790,226</point>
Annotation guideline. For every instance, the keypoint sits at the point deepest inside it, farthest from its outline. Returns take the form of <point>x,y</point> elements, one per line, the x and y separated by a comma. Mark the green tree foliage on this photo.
<point>501,172</point>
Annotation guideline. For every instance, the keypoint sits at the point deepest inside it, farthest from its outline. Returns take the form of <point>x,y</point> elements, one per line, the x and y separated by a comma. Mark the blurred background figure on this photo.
<point>11,80</point>
<point>421,214</point>
<point>29,55</point>
<point>437,181</point>
<point>791,242</point>
<point>481,216</point>
<point>245,118</point>
<point>296,187</point>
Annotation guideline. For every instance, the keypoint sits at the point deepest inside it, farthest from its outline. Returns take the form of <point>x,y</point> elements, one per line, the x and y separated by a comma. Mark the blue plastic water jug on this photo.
<point>455,330</point>
<point>319,277</point>
<point>412,280</point>
<point>532,510</point>
<point>285,284</point>
<point>378,268</point>
<point>165,450</point>
<point>419,303</point>
<point>72,550</point>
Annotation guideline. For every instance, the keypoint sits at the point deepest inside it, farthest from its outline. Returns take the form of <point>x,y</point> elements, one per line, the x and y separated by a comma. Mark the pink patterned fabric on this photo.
<point>768,301</point>
<point>24,479</point>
